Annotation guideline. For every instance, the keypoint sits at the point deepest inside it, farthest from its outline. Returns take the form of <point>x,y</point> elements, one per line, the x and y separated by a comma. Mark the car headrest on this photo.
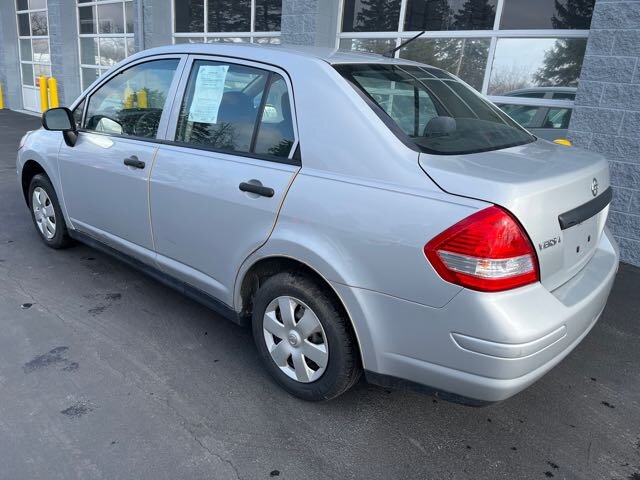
<point>235,107</point>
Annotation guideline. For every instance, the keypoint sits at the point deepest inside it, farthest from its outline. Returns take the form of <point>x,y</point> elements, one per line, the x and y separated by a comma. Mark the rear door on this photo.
<point>105,174</point>
<point>221,175</point>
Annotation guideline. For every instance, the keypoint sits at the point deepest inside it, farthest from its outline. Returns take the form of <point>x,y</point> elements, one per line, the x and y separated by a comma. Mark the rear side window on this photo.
<point>131,103</point>
<point>557,118</point>
<point>275,132</point>
<point>237,109</point>
<point>437,112</point>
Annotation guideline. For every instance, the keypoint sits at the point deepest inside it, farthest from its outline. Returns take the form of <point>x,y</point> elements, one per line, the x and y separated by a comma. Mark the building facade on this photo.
<point>500,47</point>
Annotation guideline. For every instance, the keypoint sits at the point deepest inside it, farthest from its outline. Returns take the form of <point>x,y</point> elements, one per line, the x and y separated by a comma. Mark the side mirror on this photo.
<point>58,120</point>
<point>61,120</point>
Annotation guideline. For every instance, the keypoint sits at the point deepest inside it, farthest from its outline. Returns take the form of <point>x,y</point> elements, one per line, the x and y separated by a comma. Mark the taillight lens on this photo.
<point>487,251</point>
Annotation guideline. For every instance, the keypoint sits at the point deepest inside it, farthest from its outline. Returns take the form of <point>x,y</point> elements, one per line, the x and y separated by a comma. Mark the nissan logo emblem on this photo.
<point>594,187</point>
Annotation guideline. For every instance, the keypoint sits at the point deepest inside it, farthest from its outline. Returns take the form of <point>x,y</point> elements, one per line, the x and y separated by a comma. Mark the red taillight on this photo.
<point>487,251</point>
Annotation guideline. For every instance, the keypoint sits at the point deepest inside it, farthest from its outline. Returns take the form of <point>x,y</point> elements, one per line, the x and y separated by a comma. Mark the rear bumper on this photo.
<point>484,347</point>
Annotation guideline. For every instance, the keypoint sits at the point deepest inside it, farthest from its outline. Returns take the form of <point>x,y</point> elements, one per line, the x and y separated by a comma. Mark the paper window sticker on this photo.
<point>208,92</point>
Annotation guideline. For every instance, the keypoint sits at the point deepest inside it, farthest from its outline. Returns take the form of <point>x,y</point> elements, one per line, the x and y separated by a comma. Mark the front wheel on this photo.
<point>304,338</point>
<point>47,214</point>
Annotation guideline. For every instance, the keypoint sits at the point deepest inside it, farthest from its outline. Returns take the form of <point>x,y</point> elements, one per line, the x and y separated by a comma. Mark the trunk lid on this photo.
<point>537,182</point>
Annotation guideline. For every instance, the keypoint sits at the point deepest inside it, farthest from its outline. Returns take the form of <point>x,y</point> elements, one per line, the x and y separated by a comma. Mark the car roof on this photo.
<point>541,89</point>
<point>274,53</point>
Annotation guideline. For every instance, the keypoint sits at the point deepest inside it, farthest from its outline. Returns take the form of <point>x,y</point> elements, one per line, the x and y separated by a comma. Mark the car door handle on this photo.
<point>257,189</point>
<point>133,161</point>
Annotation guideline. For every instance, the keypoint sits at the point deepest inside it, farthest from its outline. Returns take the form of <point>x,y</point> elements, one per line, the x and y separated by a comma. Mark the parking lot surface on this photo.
<point>106,374</point>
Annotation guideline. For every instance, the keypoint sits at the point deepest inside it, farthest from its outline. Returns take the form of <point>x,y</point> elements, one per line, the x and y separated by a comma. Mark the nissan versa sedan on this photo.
<point>360,213</point>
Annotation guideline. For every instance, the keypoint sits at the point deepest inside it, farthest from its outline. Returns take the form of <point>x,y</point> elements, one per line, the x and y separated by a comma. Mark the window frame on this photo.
<point>127,36</point>
<point>205,35</point>
<point>31,37</point>
<point>169,102</point>
<point>169,139</point>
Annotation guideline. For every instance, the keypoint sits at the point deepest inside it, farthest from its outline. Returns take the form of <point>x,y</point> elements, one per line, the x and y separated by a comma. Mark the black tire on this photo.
<point>343,366</point>
<point>61,237</point>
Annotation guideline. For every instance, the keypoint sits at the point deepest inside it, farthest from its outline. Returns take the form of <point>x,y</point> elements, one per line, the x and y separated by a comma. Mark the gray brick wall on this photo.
<point>9,60</point>
<point>155,16</point>
<point>606,117</point>
<point>309,22</point>
<point>63,40</point>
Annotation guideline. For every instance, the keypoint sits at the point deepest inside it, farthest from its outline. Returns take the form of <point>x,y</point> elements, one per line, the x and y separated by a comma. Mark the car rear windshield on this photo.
<point>437,112</point>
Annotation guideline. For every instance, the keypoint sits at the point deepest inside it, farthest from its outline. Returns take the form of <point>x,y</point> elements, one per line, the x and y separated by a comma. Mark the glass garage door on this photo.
<point>106,35</point>
<point>35,59</point>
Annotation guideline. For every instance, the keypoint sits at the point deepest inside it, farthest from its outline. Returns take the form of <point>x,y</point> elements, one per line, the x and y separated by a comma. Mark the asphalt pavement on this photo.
<point>107,374</point>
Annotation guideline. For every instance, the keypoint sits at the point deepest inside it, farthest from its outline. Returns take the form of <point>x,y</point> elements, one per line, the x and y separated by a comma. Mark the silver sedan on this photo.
<point>362,214</point>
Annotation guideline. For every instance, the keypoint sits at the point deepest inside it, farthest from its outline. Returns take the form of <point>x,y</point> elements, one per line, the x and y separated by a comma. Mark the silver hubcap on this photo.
<point>44,213</point>
<point>295,339</point>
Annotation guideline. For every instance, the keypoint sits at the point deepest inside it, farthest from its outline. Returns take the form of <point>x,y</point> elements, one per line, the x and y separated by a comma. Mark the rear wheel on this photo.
<point>47,214</point>
<point>304,338</point>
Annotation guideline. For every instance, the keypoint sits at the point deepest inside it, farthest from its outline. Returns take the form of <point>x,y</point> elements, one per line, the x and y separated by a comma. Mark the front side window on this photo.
<point>225,108</point>
<point>131,103</point>
<point>438,113</point>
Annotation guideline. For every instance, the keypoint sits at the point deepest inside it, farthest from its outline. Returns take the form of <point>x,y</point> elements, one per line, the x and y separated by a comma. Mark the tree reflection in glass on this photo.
<point>527,62</point>
<point>371,15</point>
<point>229,15</point>
<point>438,15</point>
<point>465,58</point>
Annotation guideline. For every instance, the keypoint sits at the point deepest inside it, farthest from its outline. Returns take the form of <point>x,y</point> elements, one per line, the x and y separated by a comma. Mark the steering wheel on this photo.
<point>147,124</point>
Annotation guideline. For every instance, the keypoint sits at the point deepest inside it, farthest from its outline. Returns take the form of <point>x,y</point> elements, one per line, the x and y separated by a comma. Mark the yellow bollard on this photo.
<point>128,98</point>
<point>44,98</point>
<point>142,98</point>
<point>1,103</point>
<point>53,92</point>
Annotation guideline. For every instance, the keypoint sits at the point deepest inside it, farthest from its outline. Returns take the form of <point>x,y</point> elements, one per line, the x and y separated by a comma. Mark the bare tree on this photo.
<point>507,79</point>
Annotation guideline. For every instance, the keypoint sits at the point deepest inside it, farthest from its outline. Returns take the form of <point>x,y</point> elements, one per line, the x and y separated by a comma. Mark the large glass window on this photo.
<point>33,40</point>
<point>545,14</point>
<point>235,21</point>
<point>131,103</point>
<point>222,104</point>
<point>106,35</point>
<point>370,15</point>
<point>548,62</point>
<point>499,47</point>
<point>450,15</point>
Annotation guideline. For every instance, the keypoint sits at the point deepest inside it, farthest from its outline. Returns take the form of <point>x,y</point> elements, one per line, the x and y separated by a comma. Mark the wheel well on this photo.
<point>267,267</point>
<point>30,169</point>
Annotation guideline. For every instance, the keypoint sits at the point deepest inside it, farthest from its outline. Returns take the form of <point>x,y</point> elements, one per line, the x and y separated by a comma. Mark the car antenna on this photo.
<point>390,53</point>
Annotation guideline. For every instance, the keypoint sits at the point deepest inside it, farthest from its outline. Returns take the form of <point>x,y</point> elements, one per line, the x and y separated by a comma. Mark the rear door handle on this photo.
<point>257,189</point>
<point>133,161</point>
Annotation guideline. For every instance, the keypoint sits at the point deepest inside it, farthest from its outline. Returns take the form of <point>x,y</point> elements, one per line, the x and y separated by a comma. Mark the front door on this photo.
<point>217,186</point>
<point>105,175</point>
